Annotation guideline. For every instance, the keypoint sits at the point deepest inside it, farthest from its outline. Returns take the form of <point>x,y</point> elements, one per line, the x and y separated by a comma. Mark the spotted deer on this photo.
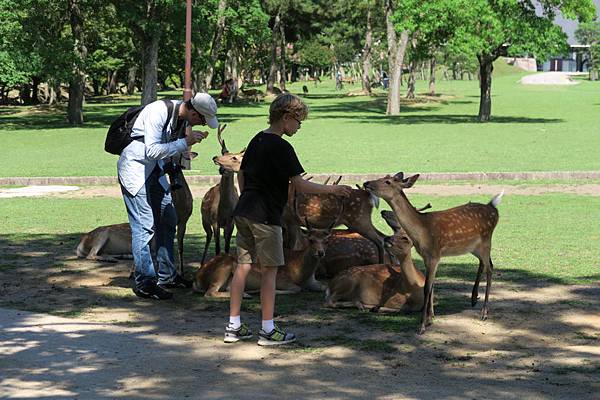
<point>218,204</point>
<point>348,249</point>
<point>300,264</point>
<point>106,243</point>
<point>456,231</point>
<point>381,287</point>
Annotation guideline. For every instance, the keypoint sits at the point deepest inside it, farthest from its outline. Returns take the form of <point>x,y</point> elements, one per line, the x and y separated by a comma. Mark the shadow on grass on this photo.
<point>40,273</point>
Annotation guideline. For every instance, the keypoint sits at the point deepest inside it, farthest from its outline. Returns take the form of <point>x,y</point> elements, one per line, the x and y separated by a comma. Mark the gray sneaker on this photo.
<point>235,335</point>
<point>275,338</point>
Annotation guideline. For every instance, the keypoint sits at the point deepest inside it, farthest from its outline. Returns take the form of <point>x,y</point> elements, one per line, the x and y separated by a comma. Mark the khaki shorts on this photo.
<point>258,242</point>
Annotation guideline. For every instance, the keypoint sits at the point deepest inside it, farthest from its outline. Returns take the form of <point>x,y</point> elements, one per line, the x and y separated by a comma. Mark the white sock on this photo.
<point>268,325</point>
<point>235,322</point>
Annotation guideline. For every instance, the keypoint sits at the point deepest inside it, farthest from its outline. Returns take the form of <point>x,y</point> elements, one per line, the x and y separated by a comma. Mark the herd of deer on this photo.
<point>365,268</point>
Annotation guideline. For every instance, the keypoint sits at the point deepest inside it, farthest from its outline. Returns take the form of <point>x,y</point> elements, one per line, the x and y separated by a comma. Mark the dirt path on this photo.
<point>542,340</point>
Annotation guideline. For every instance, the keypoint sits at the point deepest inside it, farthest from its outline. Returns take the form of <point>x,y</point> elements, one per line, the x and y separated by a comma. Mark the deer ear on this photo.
<point>399,176</point>
<point>410,181</point>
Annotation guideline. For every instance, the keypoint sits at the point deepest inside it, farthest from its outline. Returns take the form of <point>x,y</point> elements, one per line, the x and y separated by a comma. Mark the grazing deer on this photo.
<point>381,287</point>
<point>218,204</point>
<point>456,231</point>
<point>212,277</point>
<point>106,243</point>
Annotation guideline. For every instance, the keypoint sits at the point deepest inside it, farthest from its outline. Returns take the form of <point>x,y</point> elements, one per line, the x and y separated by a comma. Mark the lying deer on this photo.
<point>106,243</point>
<point>212,277</point>
<point>297,273</point>
<point>381,287</point>
<point>349,249</point>
<point>300,265</point>
<point>456,231</point>
<point>218,205</point>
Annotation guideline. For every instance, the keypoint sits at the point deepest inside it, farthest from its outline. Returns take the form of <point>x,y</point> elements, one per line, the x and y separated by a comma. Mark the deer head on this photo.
<point>389,186</point>
<point>227,161</point>
<point>398,245</point>
<point>318,238</point>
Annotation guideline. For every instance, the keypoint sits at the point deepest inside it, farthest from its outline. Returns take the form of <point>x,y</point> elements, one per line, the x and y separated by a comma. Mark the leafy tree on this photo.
<point>589,33</point>
<point>493,28</point>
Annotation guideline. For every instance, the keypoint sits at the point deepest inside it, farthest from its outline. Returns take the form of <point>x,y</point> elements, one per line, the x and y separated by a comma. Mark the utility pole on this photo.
<point>187,86</point>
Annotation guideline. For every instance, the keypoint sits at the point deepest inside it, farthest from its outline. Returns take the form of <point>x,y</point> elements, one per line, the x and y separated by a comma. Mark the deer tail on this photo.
<point>496,199</point>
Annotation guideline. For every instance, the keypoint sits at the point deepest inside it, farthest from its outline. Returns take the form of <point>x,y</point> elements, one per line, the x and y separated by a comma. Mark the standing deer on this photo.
<point>320,209</point>
<point>453,232</point>
<point>218,204</point>
<point>381,287</point>
<point>184,205</point>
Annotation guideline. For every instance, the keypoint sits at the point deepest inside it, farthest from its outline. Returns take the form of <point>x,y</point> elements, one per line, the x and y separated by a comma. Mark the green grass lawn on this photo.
<point>538,239</point>
<point>533,129</point>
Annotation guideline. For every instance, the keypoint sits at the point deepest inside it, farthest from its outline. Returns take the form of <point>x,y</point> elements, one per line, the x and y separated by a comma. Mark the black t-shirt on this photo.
<point>269,163</point>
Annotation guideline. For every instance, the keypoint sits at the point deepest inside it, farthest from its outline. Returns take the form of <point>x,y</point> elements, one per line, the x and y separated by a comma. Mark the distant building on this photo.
<point>577,58</point>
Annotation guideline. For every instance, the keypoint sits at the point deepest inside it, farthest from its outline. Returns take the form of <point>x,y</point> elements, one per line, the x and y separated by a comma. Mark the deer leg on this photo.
<point>488,272</point>
<point>209,234</point>
<point>97,249</point>
<point>180,235</point>
<point>227,232</point>
<point>431,268</point>
<point>217,230</point>
<point>475,293</point>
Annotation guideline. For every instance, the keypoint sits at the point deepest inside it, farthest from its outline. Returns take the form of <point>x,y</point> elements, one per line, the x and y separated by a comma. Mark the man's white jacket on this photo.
<point>139,158</point>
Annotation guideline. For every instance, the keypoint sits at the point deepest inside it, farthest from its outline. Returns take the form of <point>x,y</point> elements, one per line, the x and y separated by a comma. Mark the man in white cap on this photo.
<point>159,135</point>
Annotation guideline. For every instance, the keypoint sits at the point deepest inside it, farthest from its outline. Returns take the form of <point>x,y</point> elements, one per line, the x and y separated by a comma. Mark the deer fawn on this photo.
<point>106,243</point>
<point>381,287</point>
<point>218,205</point>
<point>456,231</point>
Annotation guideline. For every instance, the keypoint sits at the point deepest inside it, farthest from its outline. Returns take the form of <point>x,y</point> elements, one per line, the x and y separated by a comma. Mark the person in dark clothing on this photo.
<point>269,166</point>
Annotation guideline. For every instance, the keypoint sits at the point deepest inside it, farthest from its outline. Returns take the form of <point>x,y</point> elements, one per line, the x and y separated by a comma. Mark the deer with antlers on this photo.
<point>218,205</point>
<point>381,287</point>
<point>456,231</point>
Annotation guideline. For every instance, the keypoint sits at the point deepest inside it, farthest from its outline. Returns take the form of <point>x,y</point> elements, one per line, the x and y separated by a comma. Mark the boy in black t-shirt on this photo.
<point>270,164</point>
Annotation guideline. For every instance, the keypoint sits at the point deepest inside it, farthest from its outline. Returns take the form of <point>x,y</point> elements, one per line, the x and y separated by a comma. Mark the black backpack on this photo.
<point>119,134</point>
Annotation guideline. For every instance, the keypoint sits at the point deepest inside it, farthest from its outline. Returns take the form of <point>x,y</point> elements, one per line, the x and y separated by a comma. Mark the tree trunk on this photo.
<point>432,66</point>
<point>216,45</point>
<point>112,83</point>
<point>77,83</point>
<point>391,35</point>
<point>150,60</point>
<point>486,67</point>
<point>131,80</point>
<point>393,106</point>
<point>282,67</point>
<point>412,77</point>
<point>274,41</point>
<point>366,83</point>
<point>35,88</point>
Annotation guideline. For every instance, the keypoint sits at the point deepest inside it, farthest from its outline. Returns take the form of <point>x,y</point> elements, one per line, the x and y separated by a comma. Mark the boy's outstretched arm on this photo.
<point>303,186</point>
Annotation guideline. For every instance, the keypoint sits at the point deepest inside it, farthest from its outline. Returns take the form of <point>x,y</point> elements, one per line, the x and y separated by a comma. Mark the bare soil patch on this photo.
<point>542,340</point>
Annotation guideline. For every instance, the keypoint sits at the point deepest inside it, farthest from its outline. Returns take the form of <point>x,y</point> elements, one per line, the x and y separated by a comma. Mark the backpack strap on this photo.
<point>169,105</point>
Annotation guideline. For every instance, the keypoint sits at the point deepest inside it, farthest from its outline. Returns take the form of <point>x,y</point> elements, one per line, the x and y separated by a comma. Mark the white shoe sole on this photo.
<point>266,342</point>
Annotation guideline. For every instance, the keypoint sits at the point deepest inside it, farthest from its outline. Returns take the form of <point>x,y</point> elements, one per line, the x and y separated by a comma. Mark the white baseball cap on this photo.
<point>206,105</point>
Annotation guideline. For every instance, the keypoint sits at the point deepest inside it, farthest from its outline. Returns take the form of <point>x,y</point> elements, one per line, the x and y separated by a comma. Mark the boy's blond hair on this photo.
<point>287,103</point>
